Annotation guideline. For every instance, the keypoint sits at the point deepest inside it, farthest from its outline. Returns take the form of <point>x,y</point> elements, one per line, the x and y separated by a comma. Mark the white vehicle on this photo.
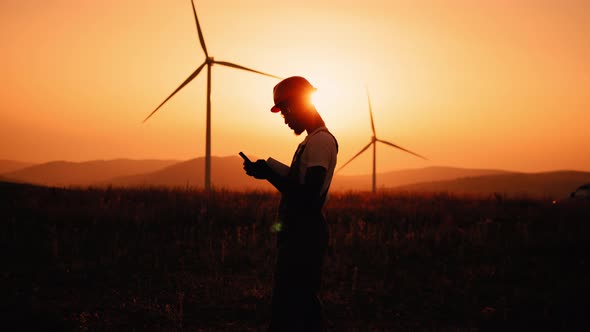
<point>581,192</point>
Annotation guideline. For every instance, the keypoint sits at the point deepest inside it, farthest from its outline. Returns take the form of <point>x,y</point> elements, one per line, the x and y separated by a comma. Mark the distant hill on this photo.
<point>226,172</point>
<point>554,185</point>
<point>8,185</point>
<point>7,166</point>
<point>405,177</point>
<point>4,180</point>
<point>63,173</point>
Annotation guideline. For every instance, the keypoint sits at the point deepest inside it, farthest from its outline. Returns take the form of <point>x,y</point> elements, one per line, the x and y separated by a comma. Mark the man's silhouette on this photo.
<point>302,230</point>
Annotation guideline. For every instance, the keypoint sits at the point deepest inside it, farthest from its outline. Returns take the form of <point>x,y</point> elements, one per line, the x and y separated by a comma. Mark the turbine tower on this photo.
<point>373,142</point>
<point>209,61</point>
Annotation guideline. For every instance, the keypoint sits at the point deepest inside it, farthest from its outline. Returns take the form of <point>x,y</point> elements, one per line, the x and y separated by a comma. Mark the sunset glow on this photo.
<point>480,84</point>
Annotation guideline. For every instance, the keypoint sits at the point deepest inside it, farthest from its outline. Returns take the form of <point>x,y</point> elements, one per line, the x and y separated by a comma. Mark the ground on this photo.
<point>160,259</point>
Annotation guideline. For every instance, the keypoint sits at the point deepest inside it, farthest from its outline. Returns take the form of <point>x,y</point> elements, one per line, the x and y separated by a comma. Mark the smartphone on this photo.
<point>244,157</point>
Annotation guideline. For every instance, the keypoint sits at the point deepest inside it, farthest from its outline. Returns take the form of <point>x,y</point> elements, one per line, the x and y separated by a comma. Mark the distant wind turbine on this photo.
<point>209,61</point>
<point>373,142</point>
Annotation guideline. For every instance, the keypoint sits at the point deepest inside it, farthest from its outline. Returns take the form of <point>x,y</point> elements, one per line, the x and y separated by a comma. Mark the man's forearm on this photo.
<point>285,184</point>
<point>302,196</point>
<point>278,181</point>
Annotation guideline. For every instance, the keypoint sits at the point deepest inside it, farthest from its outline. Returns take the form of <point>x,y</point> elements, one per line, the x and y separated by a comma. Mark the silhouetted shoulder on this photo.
<point>323,137</point>
<point>320,150</point>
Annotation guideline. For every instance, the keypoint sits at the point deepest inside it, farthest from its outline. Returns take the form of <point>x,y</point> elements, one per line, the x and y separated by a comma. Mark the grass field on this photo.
<point>180,260</point>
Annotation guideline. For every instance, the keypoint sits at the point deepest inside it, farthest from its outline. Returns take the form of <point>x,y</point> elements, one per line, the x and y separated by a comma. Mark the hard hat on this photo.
<point>292,87</point>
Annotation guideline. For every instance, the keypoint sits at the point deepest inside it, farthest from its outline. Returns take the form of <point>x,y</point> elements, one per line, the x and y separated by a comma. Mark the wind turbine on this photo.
<point>373,142</point>
<point>209,61</point>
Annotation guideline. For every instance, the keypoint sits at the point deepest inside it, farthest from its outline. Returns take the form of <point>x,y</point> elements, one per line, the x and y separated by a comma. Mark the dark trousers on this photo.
<point>297,279</point>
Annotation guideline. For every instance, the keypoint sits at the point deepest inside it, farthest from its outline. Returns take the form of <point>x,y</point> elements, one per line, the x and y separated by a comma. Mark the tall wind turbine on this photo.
<point>209,61</point>
<point>373,142</point>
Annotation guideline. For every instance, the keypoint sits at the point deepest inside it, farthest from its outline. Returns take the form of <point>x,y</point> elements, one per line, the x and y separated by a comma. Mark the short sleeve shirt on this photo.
<point>319,149</point>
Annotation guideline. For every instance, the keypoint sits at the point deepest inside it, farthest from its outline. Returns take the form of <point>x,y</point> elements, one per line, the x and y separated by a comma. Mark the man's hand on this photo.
<point>259,169</point>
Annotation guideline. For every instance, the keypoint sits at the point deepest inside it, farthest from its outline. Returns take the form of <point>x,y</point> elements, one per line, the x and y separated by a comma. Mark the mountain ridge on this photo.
<point>7,166</point>
<point>67,173</point>
<point>554,184</point>
<point>408,176</point>
<point>190,173</point>
<point>227,172</point>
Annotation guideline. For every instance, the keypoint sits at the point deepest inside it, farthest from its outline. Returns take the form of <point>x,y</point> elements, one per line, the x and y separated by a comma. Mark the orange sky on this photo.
<point>483,84</point>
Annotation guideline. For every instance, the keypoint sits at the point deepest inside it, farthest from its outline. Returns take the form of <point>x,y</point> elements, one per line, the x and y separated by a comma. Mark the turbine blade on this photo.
<point>371,112</point>
<point>187,81</point>
<point>201,39</point>
<point>399,147</point>
<point>356,155</point>
<point>233,65</point>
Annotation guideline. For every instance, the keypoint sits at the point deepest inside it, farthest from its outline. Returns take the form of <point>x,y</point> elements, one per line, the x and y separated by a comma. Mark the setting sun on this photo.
<point>328,99</point>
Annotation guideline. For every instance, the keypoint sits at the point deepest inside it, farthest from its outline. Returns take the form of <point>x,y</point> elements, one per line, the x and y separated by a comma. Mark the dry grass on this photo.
<point>158,259</point>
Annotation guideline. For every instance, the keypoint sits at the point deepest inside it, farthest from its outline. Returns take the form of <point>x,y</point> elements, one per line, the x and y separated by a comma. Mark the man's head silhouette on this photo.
<point>292,98</point>
<point>291,89</point>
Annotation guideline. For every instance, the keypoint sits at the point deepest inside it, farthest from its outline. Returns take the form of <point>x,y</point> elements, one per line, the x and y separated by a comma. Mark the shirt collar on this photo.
<point>314,132</point>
